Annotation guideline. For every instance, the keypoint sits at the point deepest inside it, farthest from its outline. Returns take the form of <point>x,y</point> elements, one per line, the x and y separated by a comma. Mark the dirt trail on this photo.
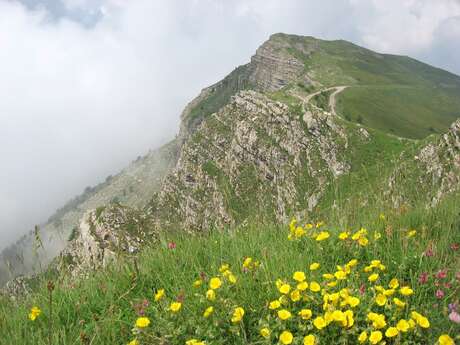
<point>332,97</point>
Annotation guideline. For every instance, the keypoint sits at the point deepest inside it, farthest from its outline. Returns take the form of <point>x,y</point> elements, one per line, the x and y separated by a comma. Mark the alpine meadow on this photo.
<point>310,197</point>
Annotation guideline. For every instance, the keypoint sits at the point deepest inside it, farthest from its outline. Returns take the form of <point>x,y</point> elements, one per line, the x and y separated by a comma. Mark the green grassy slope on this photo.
<point>393,93</point>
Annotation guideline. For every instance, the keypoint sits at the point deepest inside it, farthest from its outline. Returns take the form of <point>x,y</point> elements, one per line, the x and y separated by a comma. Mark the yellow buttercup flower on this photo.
<point>265,332</point>
<point>237,315</point>
<point>231,278</point>
<point>314,266</point>
<point>224,268</point>
<point>375,337</point>
<point>286,338</point>
<point>295,296</point>
<point>315,287</point>
<point>208,311</point>
<point>344,235</point>
<point>352,301</point>
<point>328,276</point>
<point>197,283</point>
<point>142,322</point>
<point>160,294</point>
<point>299,276</point>
<point>362,337</point>
<point>284,314</point>
<point>211,295</point>
<point>363,241</point>
<point>299,232</point>
<point>403,325</point>
<point>423,322</point>
<point>319,322</point>
<point>391,332</point>
<point>340,275</point>
<point>134,342</point>
<point>349,319</point>
<point>411,233</point>
<point>274,305</point>
<point>394,283</point>
<point>302,286</point>
<point>373,277</point>
<point>305,314</point>
<point>34,313</point>
<point>446,340</point>
<point>381,300</point>
<point>175,306</point>
<point>284,289</point>
<point>323,235</point>
<point>399,303</point>
<point>406,291</point>
<point>309,340</point>
<point>215,283</point>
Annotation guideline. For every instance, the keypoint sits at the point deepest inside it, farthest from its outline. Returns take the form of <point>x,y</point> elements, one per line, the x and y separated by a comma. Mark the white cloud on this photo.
<point>78,103</point>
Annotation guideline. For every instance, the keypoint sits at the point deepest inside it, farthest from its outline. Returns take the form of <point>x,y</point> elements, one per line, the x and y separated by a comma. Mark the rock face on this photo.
<point>435,167</point>
<point>254,156</point>
<point>272,67</point>
<point>102,236</point>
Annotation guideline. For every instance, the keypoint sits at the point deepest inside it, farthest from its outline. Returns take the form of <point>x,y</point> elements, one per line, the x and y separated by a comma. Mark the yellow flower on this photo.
<point>328,276</point>
<point>349,320</point>
<point>332,284</point>
<point>194,342</point>
<point>274,305</point>
<point>133,342</point>
<point>406,291</point>
<point>299,276</point>
<point>377,235</point>
<point>142,322</point>
<point>237,315</point>
<point>363,241</point>
<point>286,338</point>
<point>323,235</point>
<point>344,235</point>
<point>284,314</point>
<point>319,322</point>
<point>373,277</point>
<point>309,340</point>
<point>231,278</point>
<point>305,314</point>
<point>247,262</point>
<point>284,289</point>
<point>423,322</point>
<point>411,233</point>
<point>446,340</point>
<point>381,300</point>
<point>338,315</point>
<point>394,283</point>
<point>399,303</point>
<point>314,266</point>
<point>375,337</point>
<point>295,296</point>
<point>389,292</point>
<point>265,332</point>
<point>402,325</point>
<point>302,286</point>
<point>211,295</point>
<point>197,283</point>
<point>208,311</point>
<point>215,283</point>
<point>224,267</point>
<point>362,337</point>
<point>299,232</point>
<point>340,275</point>
<point>175,307</point>
<point>34,313</point>
<point>391,332</point>
<point>160,294</point>
<point>352,301</point>
<point>315,287</point>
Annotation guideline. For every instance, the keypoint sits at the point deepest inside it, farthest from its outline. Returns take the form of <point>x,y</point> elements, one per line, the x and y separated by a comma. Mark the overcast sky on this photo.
<point>88,85</point>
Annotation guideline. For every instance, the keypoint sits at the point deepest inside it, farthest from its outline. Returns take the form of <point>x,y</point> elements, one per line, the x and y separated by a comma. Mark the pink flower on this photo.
<point>442,274</point>
<point>423,278</point>
<point>362,289</point>
<point>429,252</point>
<point>455,246</point>
<point>439,293</point>
<point>454,317</point>
<point>171,245</point>
<point>447,285</point>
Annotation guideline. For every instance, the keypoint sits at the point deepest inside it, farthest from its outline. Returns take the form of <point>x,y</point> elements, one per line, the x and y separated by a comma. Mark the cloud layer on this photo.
<point>86,86</point>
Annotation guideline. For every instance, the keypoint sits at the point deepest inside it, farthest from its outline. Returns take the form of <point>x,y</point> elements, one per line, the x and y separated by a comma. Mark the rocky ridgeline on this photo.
<point>103,236</point>
<point>434,168</point>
